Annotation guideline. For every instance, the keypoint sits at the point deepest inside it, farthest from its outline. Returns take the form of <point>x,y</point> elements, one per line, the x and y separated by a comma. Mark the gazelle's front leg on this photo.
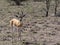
<point>19,33</point>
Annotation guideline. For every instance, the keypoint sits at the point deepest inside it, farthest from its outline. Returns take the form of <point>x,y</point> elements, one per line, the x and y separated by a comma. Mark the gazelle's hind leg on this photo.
<point>11,23</point>
<point>17,34</point>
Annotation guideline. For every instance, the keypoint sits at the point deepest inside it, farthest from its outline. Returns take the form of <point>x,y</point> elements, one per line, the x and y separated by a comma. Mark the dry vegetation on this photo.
<point>36,29</point>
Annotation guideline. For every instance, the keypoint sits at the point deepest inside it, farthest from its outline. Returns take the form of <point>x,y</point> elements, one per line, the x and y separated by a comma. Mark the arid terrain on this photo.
<point>36,29</point>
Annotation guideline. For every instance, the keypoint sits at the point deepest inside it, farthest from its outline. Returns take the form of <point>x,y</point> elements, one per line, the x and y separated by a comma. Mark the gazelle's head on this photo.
<point>20,16</point>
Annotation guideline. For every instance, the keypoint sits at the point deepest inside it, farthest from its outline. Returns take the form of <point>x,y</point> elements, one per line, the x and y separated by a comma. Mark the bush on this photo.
<point>17,2</point>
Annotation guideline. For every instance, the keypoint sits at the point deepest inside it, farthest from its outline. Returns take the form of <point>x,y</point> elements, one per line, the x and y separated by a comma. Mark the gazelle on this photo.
<point>18,23</point>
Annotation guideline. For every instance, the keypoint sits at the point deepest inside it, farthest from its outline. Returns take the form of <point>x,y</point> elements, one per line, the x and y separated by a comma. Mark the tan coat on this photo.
<point>15,22</point>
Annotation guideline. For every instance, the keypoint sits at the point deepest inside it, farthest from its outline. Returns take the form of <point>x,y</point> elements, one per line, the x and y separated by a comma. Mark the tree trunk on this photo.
<point>47,7</point>
<point>56,4</point>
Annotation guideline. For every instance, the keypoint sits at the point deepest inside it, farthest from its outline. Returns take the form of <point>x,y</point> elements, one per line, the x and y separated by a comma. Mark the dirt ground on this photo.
<point>36,29</point>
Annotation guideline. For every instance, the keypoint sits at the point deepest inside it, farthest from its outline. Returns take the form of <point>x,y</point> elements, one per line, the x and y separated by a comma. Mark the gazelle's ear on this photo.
<point>16,15</point>
<point>23,15</point>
